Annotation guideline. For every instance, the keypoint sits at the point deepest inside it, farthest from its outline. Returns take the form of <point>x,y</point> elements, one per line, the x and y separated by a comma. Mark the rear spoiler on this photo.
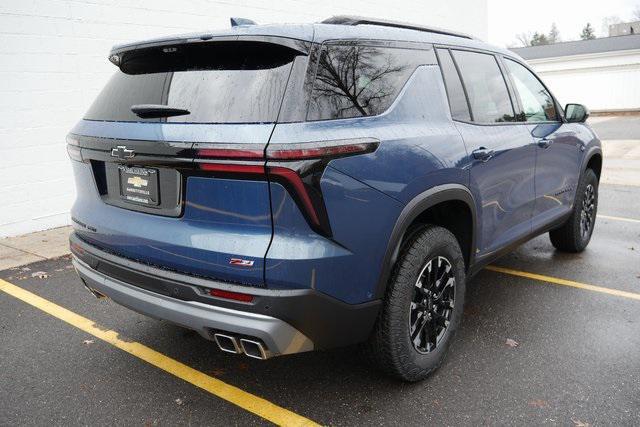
<point>118,53</point>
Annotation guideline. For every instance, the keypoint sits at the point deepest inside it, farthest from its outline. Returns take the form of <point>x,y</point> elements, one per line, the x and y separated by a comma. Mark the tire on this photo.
<point>390,346</point>
<point>575,234</point>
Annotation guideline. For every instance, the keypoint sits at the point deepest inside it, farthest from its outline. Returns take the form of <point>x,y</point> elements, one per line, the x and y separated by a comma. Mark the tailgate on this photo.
<point>146,189</point>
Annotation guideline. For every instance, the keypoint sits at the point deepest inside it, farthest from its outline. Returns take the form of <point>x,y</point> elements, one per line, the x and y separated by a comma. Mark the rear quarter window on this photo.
<point>219,82</point>
<point>358,80</point>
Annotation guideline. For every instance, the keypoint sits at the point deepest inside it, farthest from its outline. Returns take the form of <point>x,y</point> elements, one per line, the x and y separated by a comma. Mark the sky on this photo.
<point>507,18</point>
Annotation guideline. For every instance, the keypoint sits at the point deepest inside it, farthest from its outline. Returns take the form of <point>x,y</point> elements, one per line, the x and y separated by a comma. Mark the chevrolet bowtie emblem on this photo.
<point>122,152</point>
<point>138,182</point>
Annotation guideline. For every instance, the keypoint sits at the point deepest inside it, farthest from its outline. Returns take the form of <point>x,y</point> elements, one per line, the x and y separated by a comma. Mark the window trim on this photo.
<point>500,55</point>
<point>444,80</point>
<point>559,111</point>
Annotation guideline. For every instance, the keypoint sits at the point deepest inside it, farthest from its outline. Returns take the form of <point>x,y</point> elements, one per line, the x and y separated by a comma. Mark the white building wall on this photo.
<point>608,81</point>
<point>53,62</point>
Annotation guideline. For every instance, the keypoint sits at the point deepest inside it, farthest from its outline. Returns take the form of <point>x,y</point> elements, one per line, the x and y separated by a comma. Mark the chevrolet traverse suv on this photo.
<point>286,188</point>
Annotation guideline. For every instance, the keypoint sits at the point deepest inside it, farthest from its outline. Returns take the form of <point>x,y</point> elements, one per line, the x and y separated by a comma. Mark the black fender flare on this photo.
<point>591,151</point>
<point>419,204</point>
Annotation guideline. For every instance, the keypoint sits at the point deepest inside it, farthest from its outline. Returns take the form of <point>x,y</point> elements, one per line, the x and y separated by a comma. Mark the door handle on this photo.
<point>483,154</point>
<point>544,143</point>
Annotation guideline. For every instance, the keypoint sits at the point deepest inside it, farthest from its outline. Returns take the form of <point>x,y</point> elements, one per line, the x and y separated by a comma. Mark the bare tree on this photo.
<point>524,39</point>
<point>537,39</point>
<point>554,34</point>
<point>356,77</point>
<point>608,21</point>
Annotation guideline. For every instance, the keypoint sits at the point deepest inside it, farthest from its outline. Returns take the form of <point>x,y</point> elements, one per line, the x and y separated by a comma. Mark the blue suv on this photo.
<point>286,188</point>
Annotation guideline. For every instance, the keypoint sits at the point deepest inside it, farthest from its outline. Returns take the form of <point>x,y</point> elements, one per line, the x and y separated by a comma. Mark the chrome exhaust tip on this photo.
<point>253,349</point>
<point>227,343</point>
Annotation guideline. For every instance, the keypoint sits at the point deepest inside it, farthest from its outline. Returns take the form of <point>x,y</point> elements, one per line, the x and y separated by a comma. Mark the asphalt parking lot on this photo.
<point>575,319</point>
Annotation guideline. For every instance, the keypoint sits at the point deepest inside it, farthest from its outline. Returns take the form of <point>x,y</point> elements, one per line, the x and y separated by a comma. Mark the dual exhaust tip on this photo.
<point>231,344</point>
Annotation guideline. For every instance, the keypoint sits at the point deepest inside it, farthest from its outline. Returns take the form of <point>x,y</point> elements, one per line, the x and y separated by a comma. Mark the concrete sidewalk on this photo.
<point>621,164</point>
<point>38,246</point>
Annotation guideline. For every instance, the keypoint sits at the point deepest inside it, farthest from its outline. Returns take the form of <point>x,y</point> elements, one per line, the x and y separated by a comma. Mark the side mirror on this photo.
<point>576,113</point>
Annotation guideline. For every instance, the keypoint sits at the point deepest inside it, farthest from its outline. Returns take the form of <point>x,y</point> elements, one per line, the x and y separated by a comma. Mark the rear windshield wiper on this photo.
<point>150,111</point>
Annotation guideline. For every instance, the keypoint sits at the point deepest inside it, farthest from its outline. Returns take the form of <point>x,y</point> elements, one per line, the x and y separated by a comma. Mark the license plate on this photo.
<point>139,185</point>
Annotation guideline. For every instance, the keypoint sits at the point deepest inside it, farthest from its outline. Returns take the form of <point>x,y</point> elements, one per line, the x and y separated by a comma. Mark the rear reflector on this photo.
<point>236,296</point>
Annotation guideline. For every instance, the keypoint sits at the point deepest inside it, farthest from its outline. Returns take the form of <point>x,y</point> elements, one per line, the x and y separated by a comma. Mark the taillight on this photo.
<point>231,151</point>
<point>321,150</point>
<point>73,149</point>
<point>288,152</point>
<point>232,168</point>
<point>292,165</point>
<point>292,180</point>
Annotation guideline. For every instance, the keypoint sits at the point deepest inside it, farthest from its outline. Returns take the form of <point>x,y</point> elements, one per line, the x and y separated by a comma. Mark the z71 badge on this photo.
<point>241,262</point>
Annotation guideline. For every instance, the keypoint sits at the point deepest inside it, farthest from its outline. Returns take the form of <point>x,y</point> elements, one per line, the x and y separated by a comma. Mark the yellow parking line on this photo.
<point>238,397</point>
<point>619,218</point>
<point>564,282</point>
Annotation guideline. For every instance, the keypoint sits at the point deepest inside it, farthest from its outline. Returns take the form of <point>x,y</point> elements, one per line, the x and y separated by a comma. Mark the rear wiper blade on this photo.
<point>150,111</point>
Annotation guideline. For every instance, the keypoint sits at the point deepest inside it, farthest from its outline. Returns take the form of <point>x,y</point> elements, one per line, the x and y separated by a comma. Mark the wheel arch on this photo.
<point>421,207</point>
<point>593,160</point>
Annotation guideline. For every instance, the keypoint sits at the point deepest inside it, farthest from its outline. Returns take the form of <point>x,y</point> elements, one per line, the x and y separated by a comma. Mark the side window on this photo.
<point>486,87</point>
<point>455,91</point>
<point>356,80</point>
<point>537,102</point>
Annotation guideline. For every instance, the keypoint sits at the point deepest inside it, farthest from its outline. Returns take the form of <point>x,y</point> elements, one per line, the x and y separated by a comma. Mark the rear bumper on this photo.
<point>286,321</point>
<point>278,336</point>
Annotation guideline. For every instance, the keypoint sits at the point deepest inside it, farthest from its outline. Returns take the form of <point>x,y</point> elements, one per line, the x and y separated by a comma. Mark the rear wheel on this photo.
<point>422,307</point>
<point>575,234</point>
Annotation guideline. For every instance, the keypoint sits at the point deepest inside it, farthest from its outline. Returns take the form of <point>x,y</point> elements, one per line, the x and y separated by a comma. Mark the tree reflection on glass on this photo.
<point>357,81</point>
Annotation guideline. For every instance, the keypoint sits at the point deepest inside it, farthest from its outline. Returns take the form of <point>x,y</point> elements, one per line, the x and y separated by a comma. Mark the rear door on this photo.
<point>501,153</point>
<point>173,157</point>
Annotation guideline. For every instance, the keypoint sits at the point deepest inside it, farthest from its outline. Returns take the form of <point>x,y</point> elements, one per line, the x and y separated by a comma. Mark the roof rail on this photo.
<point>360,20</point>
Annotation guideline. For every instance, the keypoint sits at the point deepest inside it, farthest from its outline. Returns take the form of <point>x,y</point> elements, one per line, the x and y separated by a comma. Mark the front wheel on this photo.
<point>575,234</point>
<point>422,307</point>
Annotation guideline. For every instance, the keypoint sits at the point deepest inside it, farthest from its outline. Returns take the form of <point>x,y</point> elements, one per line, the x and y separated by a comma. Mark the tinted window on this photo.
<point>354,80</point>
<point>455,92</point>
<point>222,82</point>
<point>486,88</point>
<point>537,103</point>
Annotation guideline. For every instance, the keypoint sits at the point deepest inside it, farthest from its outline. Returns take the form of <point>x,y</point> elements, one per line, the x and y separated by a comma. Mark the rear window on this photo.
<point>357,80</point>
<point>219,82</point>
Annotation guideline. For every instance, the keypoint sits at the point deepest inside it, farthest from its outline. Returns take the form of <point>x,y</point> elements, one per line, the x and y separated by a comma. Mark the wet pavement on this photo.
<point>577,360</point>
